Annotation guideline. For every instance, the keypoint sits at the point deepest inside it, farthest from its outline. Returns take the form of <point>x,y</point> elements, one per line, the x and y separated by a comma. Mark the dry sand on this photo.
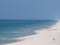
<point>49,36</point>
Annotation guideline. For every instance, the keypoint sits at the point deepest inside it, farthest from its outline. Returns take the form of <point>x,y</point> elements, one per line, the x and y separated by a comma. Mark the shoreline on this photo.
<point>50,36</point>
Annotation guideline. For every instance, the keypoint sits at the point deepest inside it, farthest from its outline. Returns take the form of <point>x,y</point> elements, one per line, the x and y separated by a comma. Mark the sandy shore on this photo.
<point>49,36</point>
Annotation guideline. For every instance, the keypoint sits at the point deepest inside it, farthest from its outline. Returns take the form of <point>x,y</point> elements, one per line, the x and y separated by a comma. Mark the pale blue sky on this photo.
<point>29,9</point>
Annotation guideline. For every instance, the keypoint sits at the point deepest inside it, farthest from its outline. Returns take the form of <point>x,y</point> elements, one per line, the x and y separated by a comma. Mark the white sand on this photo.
<point>49,36</point>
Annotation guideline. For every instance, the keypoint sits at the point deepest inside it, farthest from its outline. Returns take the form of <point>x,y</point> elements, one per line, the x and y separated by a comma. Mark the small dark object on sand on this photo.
<point>53,38</point>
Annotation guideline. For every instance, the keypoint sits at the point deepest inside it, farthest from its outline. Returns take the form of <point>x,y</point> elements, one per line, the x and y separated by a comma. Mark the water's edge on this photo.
<point>10,29</point>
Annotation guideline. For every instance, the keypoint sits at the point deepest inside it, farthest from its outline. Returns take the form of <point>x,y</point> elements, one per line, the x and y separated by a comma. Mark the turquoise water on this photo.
<point>10,29</point>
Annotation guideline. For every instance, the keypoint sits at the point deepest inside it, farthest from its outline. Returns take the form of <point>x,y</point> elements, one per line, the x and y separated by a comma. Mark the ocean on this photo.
<point>10,29</point>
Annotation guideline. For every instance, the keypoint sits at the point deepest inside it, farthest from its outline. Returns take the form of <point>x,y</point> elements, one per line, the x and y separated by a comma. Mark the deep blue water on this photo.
<point>17,28</point>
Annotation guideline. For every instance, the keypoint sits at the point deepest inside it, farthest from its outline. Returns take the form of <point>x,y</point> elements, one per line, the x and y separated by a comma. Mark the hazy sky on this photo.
<point>29,9</point>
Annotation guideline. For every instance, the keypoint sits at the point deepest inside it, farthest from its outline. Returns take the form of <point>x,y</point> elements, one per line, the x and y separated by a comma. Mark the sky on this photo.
<point>29,9</point>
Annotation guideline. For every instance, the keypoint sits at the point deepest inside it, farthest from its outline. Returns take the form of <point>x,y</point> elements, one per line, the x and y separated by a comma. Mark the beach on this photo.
<point>49,36</point>
<point>29,22</point>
